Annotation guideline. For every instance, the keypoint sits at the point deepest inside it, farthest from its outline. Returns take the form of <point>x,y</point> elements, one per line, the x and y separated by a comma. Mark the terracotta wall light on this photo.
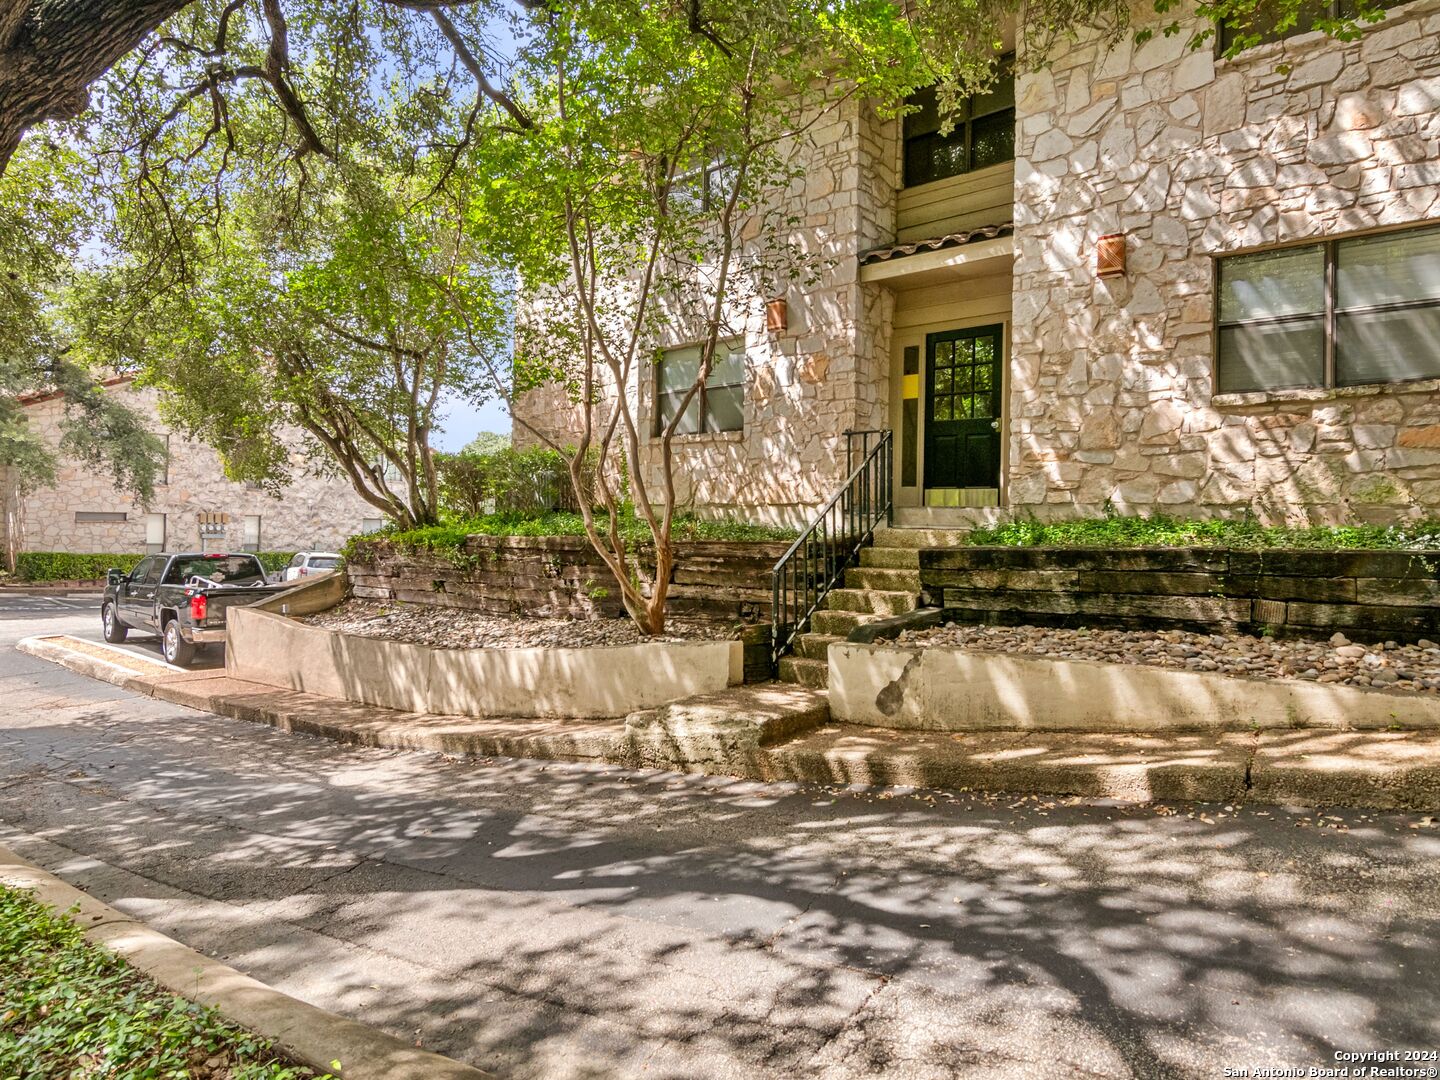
<point>1110,255</point>
<point>777,315</point>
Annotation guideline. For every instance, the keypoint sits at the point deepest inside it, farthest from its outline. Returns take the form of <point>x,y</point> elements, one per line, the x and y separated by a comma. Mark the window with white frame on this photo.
<point>250,533</point>
<point>718,405</point>
<point>1352,312</point>
<point>370,525</point>
<point>154,533</point>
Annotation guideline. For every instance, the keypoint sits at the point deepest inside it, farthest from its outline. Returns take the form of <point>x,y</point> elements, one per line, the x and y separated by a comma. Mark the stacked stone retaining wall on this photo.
<point>1367,595</point>
<point>563,577</point>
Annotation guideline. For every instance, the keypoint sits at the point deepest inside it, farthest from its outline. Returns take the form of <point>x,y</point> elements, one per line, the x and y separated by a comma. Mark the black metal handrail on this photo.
<point>818,559</point>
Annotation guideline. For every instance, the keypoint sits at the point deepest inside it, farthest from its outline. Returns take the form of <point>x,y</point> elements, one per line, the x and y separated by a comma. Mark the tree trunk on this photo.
<point>52,50</point>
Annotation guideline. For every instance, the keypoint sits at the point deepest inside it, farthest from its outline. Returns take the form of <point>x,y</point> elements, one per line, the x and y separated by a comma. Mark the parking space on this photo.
<point>78,614</point>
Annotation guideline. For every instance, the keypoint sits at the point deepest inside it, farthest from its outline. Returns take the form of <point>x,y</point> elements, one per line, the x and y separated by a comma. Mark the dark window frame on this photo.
<point>1330,315</point>
<point>964,129</point>
<point>734,344</point>
<point>101,517</point>
<point>1332,9</point>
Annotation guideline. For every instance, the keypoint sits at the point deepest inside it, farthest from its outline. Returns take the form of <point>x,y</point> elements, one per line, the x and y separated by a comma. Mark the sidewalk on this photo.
<point>782,732</point>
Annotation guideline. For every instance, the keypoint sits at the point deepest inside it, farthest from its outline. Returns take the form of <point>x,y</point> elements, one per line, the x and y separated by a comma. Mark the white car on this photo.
<point>310,562</point>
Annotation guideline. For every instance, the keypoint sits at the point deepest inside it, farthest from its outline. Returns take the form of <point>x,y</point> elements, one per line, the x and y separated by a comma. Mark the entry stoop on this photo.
<point>887,582</point>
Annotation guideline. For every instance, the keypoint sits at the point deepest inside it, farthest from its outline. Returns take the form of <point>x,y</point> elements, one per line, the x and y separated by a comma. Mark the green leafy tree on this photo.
<point>337,319</point>
<point>43,220</point>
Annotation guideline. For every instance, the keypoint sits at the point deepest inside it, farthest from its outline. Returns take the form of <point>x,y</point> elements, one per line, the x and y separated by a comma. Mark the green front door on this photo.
<point>962,408</point>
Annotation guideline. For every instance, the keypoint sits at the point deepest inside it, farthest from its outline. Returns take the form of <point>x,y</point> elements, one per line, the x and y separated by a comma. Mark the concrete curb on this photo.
<point>308,1034</point>
<point>132,676</point>
<point>773,732</point>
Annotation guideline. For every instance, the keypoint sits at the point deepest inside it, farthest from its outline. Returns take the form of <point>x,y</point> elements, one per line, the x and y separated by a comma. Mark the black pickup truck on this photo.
<point>182,597</point>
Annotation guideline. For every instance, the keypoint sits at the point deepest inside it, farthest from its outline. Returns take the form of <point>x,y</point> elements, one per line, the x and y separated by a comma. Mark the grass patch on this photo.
<point>450,537</point>
<point>1163,531</point>
<point>70,1008</point>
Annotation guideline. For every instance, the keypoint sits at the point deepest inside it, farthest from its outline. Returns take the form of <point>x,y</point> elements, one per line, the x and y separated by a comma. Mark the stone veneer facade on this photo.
<point>313,513</point>
<point>1110,396</point>
<point>805,386</point>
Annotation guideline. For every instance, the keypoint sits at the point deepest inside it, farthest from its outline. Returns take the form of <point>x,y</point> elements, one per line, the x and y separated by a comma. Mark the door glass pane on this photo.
<point>1271,356</point>
<point>983,377</point>
<point>1386,269</point>
<point>942,408</point>
<point>944,380</point>
<point>1387,346</point>
<point>1270,283</point>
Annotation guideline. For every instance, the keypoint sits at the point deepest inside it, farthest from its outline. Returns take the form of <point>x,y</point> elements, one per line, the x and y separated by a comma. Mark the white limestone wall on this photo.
<point>314,512</point>
<point>1190,157</point>
<point>828,371</point>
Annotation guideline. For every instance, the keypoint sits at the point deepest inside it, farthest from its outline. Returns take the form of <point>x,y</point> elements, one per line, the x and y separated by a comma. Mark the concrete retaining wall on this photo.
<point>266,647</point>
<point>940,689</point>
<point>1368,595</point>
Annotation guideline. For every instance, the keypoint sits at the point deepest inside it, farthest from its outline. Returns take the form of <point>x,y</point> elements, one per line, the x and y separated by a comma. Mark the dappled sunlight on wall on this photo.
<point>1112,395</point>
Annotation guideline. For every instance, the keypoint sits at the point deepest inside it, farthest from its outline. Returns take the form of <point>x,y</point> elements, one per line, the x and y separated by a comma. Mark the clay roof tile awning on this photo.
<point>949,240</point>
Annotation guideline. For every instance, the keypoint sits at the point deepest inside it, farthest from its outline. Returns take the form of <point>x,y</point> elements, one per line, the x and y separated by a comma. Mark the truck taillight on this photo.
<point>197,607</point>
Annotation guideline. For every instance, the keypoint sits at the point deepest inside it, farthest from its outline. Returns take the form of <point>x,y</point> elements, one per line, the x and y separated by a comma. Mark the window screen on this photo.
<point>1352,312</point>
<point>719,405</point>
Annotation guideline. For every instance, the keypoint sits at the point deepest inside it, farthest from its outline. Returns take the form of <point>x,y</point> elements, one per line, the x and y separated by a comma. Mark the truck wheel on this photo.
<point>177,650</point>
<point>115,630</point>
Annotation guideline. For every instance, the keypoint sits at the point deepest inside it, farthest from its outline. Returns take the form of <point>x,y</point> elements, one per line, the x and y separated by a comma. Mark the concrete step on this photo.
<point>883,579</point>
<point>812,673</point>
<point>815,646</point>
<point>871,601</point>
<point>891,558</point>
<point>921,538</point>
<point>839,623</point>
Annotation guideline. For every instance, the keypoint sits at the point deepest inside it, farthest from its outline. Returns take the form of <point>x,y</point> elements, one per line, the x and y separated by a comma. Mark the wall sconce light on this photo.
<point>777,315</point>
<point>1110,255</point>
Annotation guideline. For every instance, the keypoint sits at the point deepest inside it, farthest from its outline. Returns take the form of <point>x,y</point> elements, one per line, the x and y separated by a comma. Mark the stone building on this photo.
<point>83,513</point>
<point>1145,278</point>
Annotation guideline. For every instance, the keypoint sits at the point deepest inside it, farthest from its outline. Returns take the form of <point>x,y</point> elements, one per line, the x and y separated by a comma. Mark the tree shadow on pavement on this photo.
<point>547,920</point>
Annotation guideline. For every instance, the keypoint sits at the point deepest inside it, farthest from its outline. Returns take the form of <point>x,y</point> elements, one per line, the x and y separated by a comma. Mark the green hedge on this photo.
<point>451,536</point>
<point>1160,530</point>
<point>67,566</point>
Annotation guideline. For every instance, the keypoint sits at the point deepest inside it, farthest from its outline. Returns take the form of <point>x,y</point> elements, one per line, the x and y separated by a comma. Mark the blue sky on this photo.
<point>462,421</point>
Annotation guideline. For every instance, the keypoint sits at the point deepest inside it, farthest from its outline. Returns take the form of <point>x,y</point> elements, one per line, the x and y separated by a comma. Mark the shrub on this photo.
<point>70,566</point>
<point>448,539</point>
<point>506,480</point>
<point>1161,530</point>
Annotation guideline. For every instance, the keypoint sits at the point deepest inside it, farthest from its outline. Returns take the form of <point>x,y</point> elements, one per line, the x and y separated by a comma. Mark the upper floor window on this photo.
<point>719,404</point>
<point>983,133</point>
<point>1350,312</point>
<point>1263,26</point>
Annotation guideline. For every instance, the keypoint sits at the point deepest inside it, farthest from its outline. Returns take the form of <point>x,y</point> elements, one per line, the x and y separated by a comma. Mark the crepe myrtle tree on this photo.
<point>643,201</point>
<point>338,320</point>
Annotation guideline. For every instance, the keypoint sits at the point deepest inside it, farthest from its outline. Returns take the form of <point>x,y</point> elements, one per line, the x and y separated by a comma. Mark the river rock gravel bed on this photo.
<point>455,628</point>
<point>1388,664</point>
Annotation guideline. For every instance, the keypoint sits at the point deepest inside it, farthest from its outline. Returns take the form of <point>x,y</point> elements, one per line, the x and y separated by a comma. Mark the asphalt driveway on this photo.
<point>547,920</point>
